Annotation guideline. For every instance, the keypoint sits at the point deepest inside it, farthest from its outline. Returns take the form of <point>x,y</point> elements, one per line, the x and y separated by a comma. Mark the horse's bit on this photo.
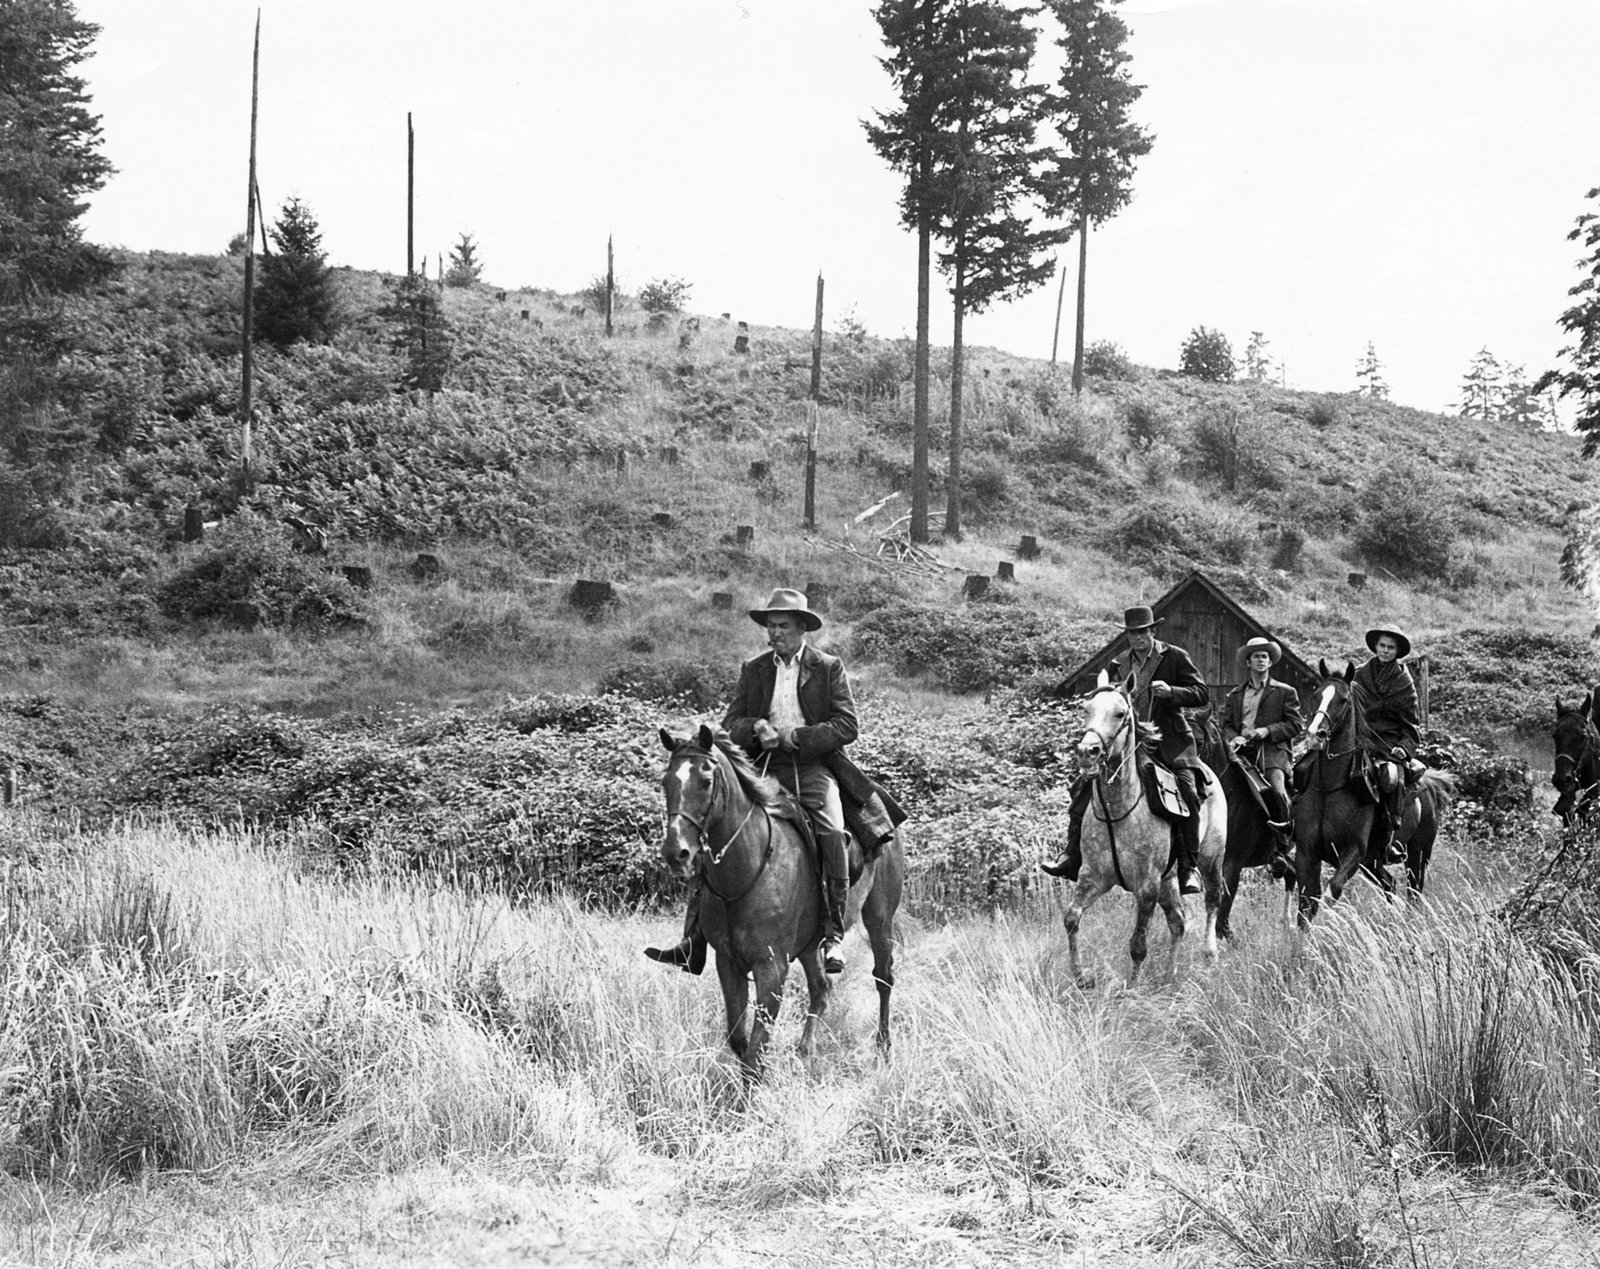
<point>713,855</point>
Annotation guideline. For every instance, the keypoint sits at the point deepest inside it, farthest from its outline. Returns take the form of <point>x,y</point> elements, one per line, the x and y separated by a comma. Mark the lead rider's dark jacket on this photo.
<point>1176,746</point>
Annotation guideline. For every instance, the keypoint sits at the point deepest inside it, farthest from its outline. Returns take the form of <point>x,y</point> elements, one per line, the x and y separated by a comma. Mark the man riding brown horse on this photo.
<point>1260,718</point>
<point>794,710</point>
<point>1162,682</point>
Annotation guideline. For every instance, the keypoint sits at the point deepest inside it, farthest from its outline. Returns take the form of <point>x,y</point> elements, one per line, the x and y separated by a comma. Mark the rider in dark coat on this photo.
<point>1260,718</point>
<point>1162,682</point>
<point>1388,696</point>
<point>794,705</point>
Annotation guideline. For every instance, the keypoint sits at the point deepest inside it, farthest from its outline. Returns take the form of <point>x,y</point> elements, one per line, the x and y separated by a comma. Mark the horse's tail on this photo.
<point>1439,783</point>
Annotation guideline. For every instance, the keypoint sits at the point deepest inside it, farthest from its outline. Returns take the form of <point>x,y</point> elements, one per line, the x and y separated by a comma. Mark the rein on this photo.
<point>1582,794</point>
<point>1102,779</point>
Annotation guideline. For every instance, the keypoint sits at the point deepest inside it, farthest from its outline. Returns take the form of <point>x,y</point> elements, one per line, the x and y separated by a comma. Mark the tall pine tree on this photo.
<point>1098,145</point>
<point>981,178</point>
<point>962,138</point>
<point>913,31</point>
<point>50,161</point>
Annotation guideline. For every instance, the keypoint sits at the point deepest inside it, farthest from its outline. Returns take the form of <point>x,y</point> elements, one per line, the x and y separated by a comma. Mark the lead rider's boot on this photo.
<point>689,953</point>
<point>1069,864</point>
<point>833,851</point>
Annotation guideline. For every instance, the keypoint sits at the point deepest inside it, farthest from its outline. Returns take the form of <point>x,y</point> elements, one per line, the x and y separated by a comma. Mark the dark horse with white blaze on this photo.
<point>1334,810</point>
<point>1577,773</point>
<point>762,905</point>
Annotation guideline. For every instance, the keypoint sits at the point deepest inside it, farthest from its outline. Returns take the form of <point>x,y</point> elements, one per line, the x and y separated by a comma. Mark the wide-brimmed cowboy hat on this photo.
<point>790,603</point>
<point>1140,617</point>
<point>1402,643</point>
<point>1260,643</point>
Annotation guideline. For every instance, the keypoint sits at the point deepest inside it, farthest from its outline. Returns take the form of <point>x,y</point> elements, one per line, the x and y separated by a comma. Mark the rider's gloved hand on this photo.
<point>767,734</point>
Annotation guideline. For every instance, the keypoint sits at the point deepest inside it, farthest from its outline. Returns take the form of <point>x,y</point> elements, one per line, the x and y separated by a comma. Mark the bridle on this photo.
<point>1320,731</point>
<point>1108,772</point>
<point>709,851</point>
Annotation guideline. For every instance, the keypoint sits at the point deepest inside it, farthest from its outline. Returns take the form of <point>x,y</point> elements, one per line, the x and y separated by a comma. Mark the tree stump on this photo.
<point>662,519</point>
<point>1006,571</point>
<point>591,597</point>
<point>358,575</point>
<point>194,528</point>
<point>1357,581</point>
<point>819,595</point>
<point>721,600</point>
<point>976,586</point>
<point>744,535</point>
<point>761,469</point>
<point>9,789</point>
<point>1028,548</point>
<point>425,568</point>
<point>741,341</point>
<point>669,455</point>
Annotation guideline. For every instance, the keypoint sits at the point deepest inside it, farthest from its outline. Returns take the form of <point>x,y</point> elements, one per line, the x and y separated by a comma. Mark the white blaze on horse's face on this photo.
<point>1317,732</point>
<point>688,786</point>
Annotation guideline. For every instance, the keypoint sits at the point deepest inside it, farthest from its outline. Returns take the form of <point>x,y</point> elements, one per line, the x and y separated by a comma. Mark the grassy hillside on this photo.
<point>554,453</point>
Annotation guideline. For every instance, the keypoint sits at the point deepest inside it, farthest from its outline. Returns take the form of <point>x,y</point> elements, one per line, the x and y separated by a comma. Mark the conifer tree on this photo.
<point>465,267</point>
<point>1257,361</point>
<point>1581,377</point>
<point>295,298</point>
<point>419,331</point>
<point>1097,143</point>
<point>962,138</point>
<point>1482,387</point>
<point>50,161</point>
<point>1369,373</point>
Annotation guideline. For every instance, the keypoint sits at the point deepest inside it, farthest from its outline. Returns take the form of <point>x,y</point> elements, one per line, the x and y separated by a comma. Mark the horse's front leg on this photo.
<point>1088,889</point>
<point>1308,880</point>
<point>1144,909</point>
<point>1351,858</point>
<point>1171,900</point>
<point>736,999</point>
<point>769,975</point>
<point>819,988</point>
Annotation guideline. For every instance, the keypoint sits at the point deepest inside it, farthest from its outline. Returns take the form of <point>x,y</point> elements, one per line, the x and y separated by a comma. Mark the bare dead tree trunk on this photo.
<point>952,513</point>
<point>1061,294</point>
<point>411,190</point>
<point>611,284</point>
<point>1083,267</point>
<point>816,412</point>
<point>247,358</point>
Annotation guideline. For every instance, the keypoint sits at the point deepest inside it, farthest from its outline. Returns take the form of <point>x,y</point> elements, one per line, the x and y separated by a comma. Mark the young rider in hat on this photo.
<point>1389,704</point>
<point>1260,718</point>
<point>793,704</point>
<point>1163,682</point>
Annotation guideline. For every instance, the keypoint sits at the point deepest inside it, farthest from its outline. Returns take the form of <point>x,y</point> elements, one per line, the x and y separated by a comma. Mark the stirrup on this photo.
<point>832,958</point>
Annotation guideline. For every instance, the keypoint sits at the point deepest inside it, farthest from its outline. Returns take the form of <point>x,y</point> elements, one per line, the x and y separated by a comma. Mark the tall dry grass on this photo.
<point>198,1004</point>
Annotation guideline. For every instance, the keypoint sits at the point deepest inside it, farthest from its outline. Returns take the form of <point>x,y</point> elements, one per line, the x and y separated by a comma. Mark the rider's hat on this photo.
<point>1402,643</point>
<point>785,602</point>
<point>1261,644</point>
<point>1140,617</point>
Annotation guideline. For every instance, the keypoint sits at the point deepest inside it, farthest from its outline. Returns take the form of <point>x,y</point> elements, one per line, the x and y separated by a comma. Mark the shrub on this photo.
<point>594,295</point>
<point>664,295</point>
<point>1165,535</point>
<point>986,491</point>
<point>966,650</point>
<point>1207,354</point>
<point>1147,423</point>
<point>1074,433</point>
<point>1405,521</point>
<point>1324,412</point>
<point>1236,448</point>
<point>248,575</point>
<point>1107,360</point>
<point>692,685</point>
<point>1286,554</point>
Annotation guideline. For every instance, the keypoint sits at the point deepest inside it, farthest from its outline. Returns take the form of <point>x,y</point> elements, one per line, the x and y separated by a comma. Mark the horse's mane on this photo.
<point>762,790</point>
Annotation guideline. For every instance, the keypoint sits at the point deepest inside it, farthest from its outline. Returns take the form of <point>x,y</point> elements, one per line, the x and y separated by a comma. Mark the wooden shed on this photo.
<point>1211,627</point>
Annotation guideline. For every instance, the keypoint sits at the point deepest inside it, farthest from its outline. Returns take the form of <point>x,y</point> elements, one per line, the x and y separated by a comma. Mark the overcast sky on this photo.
<point>1328,172</point>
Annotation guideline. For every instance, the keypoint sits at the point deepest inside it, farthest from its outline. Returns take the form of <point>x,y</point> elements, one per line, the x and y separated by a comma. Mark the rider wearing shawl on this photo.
<point>1388,697</point>
<point>1162,682</point>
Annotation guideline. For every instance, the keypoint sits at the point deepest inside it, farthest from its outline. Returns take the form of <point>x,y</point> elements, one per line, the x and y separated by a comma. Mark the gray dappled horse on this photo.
<point>761,907</point>
<point>1126,844</point>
